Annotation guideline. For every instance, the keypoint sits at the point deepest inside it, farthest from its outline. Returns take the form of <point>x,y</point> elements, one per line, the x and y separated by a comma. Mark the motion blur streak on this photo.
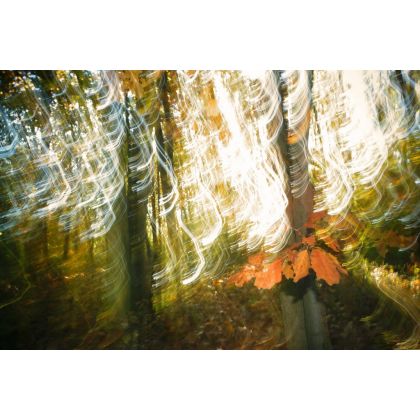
<point>298,108</point>
<point>364,163</point>
<point>69,161</point>
<point>62,177</point>
<point>228,177</point>
<point>204,176</point>
<point>362,146</point>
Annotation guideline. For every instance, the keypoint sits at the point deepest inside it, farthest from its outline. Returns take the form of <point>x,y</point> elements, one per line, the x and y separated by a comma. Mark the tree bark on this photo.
<point>305,327</point>
<point>137,249</point>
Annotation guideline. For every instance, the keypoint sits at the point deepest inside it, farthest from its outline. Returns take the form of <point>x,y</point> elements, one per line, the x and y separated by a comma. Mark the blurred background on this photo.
<point>209,209</point>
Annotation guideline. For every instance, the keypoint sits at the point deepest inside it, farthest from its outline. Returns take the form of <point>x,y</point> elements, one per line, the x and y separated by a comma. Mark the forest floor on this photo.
<point>213,315</point>
<point>220,315</point>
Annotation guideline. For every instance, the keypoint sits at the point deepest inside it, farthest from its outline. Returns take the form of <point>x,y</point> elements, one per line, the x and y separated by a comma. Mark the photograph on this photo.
<point>209,209</point>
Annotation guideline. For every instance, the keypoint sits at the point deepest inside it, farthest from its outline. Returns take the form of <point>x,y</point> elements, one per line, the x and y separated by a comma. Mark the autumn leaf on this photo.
<point>291,255</point>
<point>293,264</point>
<point>287,270</point>
<point>314,218</point>
<point>301,265</point>
<point>310,240</point>
<point>326,266</point>
<point>243,276</point>
<point>331,243</point>
<point>256,259</point>
<point>269,275</point>
<point>337,263</point>
<point>266,275</point>
<point>293,247</point>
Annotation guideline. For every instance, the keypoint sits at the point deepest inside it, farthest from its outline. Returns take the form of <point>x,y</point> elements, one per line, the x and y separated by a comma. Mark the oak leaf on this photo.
<point>339,267</point>
<point>269,275</point>
<point>256,259</point>
<point>309,240</point>
<point>243,276</point>
<point>326,266</point>
<point>287,270</point>
<point>291,255</point>
<point>314,218</point>
<point>301,265</point>
<point>331,243</point>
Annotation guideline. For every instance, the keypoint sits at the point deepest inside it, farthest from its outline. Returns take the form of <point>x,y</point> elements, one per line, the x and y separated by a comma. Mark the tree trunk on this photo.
<point>139,265</point>
<point>305,327</point>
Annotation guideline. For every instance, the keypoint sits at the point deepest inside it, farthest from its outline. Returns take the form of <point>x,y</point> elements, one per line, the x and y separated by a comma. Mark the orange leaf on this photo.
<point>331,243</point>
<point>291,255</point>
<point>315,217</point>
<point>293,247</point>
<point>288,270</point>
<point>338,266</point>
<point>269,275</point>
<point>243,276</point>
<point>326,266</point>
<point>256,259</point>
<point>310,240</point>
<point>301,265</point>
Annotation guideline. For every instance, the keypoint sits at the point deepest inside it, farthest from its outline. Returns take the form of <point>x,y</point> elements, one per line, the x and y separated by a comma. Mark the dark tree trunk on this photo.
<point>137,247</point>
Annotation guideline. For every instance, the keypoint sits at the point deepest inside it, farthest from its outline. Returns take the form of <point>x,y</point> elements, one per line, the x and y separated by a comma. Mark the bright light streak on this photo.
<point>230,169</point>
<point>205,159</point>
<point>70,158</point>
<point>360,127</point>
<point>298,107</point>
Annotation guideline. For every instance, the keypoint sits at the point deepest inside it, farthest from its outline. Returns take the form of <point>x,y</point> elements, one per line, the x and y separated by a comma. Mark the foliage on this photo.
<point>295,262</point>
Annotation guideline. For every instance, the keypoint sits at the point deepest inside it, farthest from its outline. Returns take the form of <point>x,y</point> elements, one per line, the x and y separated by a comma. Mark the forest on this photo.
<point>175,209</point>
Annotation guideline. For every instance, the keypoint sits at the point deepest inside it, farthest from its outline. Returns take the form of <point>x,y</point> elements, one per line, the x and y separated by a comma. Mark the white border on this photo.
<point>210,34</point>
<point>209,385</point>
<point>102,34</point>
